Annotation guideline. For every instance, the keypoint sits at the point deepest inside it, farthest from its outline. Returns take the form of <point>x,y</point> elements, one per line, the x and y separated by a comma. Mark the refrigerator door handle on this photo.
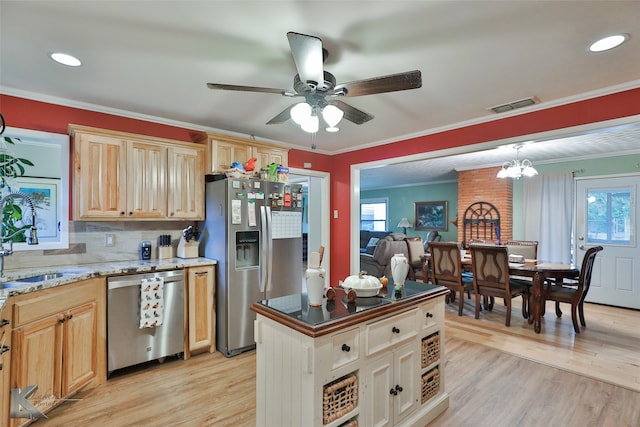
<point>269,249</point>
<point>263,246</point>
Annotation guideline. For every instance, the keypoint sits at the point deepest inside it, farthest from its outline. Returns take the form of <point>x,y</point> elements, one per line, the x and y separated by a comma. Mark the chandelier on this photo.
<point>516,168</point>
<point>306,116</point>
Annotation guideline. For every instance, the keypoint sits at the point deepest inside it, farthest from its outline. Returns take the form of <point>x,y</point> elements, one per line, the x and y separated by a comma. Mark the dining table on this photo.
<point>539,272</point>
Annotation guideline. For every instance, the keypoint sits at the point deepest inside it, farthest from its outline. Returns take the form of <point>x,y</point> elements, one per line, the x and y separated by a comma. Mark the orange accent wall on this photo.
<point>29,114</point>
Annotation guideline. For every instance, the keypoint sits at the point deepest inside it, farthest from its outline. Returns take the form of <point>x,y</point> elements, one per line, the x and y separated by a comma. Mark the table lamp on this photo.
<point>404,224</point>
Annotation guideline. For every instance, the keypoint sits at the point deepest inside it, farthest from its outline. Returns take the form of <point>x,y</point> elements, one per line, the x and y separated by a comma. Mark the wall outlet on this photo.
<point>109,239</point>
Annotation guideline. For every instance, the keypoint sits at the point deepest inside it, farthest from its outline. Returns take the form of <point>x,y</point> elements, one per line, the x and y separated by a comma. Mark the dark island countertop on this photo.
<point>294,310</point>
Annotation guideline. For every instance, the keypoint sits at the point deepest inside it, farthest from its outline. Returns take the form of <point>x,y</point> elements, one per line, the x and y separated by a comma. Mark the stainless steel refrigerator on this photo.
<point>254,230</point>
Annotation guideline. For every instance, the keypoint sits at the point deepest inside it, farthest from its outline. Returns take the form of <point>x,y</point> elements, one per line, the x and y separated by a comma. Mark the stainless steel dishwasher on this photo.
<point>129,344</point>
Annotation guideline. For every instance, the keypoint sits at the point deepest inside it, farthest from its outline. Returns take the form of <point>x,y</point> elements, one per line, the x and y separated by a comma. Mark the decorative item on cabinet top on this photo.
<point>224,150</point>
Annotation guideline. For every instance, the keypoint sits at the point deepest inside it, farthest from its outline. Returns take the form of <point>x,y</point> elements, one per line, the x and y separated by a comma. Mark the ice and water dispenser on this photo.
<point>247,249</point>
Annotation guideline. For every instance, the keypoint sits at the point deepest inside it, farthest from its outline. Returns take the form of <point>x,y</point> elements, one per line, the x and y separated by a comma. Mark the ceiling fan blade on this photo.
<point>282,117</point>
<point>218,86</point>
<point>307,55</point>
<point>390,83</point>
<point>351,113</point>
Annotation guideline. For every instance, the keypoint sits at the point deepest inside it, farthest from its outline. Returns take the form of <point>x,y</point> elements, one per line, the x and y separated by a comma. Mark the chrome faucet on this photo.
<point>33,232</point>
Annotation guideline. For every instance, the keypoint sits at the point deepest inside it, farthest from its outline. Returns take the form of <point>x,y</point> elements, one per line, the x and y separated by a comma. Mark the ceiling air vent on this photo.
<point>515,104</point>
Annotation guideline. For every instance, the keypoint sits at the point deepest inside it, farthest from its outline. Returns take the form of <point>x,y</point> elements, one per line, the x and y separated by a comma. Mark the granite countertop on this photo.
<point>295,312</point>
<point>74,273</point>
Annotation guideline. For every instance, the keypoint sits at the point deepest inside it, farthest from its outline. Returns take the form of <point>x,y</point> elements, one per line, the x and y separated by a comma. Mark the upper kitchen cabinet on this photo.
<point>222,150</point>
<point>120,175</point>
<point>185,172</point>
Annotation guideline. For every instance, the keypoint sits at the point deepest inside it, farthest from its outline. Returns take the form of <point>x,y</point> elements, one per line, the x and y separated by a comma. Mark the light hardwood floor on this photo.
<point>492,375</point>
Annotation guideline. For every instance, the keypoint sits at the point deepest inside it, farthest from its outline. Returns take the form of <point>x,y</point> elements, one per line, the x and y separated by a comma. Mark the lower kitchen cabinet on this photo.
<point>200,309</point>
<point>58,341</point>
<point>392,385</point>
<point>385,370</point>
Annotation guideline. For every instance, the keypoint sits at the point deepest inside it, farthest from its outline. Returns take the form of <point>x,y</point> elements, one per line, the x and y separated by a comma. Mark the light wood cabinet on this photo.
<point>201,303</point>
<point>185,183</point>
<point>146,181</point>
<point>119,175</point>
<point>222,150</point>
<point>59,341</point>
<point>100,182</point>
<point>5,364</point>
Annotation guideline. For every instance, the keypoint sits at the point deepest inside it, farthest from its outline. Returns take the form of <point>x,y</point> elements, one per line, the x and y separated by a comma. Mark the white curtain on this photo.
<point>548,214</point>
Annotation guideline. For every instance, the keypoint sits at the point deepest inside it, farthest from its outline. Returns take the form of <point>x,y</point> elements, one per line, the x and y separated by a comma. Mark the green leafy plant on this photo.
<point>11,167</point>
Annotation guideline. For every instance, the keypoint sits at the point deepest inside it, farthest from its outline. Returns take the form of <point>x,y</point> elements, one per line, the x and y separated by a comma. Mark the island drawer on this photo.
<point>388,332</point>
<point>431,314</point>
<point>345,347</point>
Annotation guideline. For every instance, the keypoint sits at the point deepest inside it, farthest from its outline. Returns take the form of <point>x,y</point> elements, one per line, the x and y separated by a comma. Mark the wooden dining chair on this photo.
<point>490,266</point>
<point>527,248</point>
<point>447,271</point>
<point>415,247</point>
<point>574,293</point>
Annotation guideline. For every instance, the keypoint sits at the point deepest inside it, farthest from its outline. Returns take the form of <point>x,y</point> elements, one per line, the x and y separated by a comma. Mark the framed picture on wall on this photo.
<point>431,216</point>
<point>44,193</point>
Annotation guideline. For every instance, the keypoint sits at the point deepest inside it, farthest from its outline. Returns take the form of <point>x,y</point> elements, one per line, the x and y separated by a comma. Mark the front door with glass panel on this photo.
<point>606,215</point>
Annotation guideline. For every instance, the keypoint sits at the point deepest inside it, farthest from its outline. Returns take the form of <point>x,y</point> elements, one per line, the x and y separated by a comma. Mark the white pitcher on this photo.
<point>315,286</point>
<point>399,269</point>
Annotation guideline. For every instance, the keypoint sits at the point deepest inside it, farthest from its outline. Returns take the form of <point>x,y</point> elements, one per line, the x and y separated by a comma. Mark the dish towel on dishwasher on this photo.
<point>151,302</point>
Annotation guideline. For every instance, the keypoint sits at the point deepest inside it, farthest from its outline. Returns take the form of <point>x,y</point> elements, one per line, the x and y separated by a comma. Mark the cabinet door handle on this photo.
<point>201,273</point>
<point>393,391</point>
<point>346,348</point>
<point>398,389</point>
<point>429,315</point>
<point>61,320</point>
<point>130,213</point>
<point>69,316</point>
<point>121,212</point>
<point>395,330</point>
<point>4,348</point>
<point>3,323</point>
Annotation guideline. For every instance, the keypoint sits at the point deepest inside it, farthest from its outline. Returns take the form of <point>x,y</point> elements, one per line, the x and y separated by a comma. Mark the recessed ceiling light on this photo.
<point>66,59</point>
<point>608,42</point>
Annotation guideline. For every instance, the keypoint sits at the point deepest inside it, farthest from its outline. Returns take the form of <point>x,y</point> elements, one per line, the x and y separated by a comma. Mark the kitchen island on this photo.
<point>375,361</point>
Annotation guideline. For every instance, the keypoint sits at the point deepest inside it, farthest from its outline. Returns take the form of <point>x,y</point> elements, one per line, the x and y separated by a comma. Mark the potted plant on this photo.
<point>11,167</point>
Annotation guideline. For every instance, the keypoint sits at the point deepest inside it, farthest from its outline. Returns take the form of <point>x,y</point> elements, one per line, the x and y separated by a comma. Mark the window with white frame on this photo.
<point>374,214</point>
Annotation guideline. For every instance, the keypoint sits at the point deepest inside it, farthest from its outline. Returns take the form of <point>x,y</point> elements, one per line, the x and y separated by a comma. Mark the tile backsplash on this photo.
<point>87,243</point>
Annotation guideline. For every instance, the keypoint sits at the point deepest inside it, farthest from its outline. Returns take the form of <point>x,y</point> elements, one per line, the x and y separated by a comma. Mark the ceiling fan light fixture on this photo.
<point>332,129</point>
<point>332,115</point>
<point>311,124</point>
<point>300,113</point>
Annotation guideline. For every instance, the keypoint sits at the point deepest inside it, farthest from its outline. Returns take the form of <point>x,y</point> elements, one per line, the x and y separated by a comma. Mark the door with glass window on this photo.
<point>607,216</point>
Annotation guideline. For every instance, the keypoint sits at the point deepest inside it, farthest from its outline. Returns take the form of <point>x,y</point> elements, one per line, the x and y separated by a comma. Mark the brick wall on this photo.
<point>481,185</point>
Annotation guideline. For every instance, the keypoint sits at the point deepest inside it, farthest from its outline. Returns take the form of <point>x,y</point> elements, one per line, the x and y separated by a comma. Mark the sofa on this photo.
<point>378,264</point>
<point>369,240</point>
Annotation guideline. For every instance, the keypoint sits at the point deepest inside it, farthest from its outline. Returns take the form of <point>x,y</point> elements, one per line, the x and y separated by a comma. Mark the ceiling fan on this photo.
<point>320,90</point>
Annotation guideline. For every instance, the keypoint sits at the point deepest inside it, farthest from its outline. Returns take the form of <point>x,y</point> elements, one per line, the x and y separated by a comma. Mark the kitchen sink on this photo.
<point>40,278</point>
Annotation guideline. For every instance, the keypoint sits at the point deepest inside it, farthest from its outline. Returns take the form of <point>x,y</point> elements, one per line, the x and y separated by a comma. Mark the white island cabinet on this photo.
<point>373,362</point>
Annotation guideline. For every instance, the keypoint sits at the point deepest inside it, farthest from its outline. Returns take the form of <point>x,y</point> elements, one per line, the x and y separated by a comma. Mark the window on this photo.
<point>373,214</point>
<point>609,216</point>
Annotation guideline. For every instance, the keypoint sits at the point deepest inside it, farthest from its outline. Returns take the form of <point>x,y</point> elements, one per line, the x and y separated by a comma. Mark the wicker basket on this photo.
<point>353,422</point>
<point>430,383</point>
<point>339,398</point>
<point>430,349</point>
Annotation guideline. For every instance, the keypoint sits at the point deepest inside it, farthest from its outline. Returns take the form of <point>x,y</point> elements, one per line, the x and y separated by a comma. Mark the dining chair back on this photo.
<point>490,266</point>
<point>527,248</point>
<point>415,247</point>
<point>447,270</point>
<point>575,293</point>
